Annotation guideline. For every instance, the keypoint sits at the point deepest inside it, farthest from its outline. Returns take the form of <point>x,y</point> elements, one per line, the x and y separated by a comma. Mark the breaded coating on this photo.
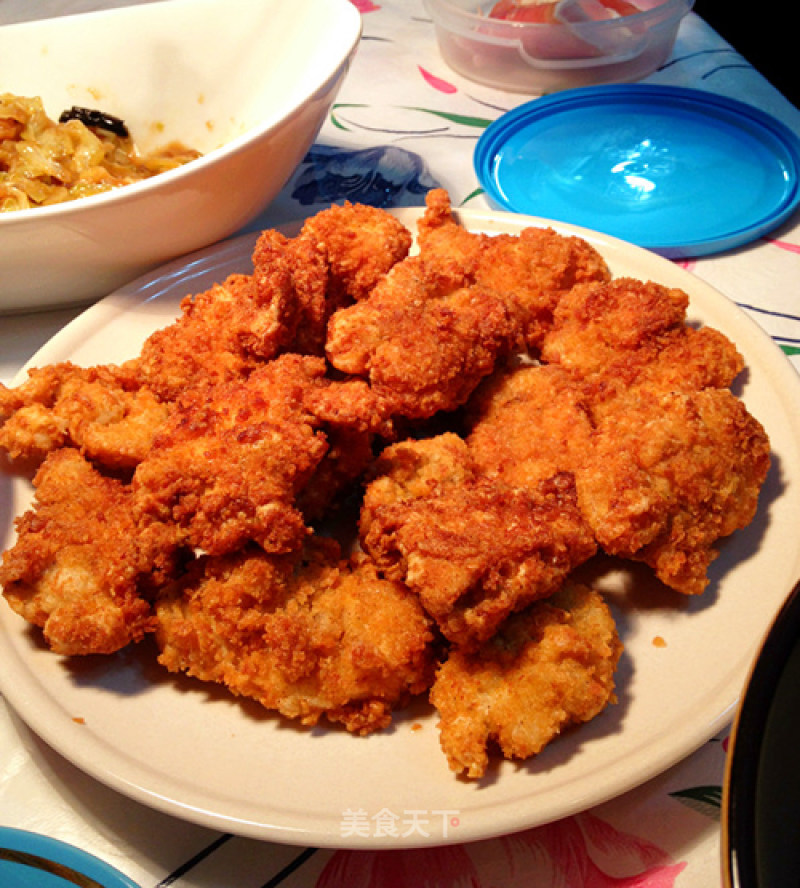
<point>629,332</point>
<point>530,423</point>
<point>224,333</point>
<point>338,256</point>
<point>601,322</point>
<point>443,240</point>
<point>670,474</point>
<point>229,464</point>
<point>221,334</point>
<point>548,667</point>
<point>309,302</point>
<point>360,243</point>
<point>532,270</point>
<point>473,549</point>
<point>537,269</point>
<point>411,470</point>
<point>75,566</point>
<point>98,410</point>
<point>421,339</point>
<point>661,474</point>
<point>307,637</point>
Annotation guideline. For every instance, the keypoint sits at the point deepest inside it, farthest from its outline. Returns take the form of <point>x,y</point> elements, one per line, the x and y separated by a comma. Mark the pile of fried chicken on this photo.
<point>367,471</point>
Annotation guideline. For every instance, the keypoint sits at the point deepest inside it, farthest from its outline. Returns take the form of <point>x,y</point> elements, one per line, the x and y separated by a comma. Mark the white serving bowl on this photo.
<point>246,82</point>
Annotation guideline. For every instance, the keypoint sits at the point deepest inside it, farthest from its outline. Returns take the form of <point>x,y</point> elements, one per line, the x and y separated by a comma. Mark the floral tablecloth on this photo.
<point>403,123</point>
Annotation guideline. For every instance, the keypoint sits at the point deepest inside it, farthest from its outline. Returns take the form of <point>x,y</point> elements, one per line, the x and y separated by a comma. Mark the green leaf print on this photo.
<point>335,120</point>
<point>706,800</point>
<point>466,120</point>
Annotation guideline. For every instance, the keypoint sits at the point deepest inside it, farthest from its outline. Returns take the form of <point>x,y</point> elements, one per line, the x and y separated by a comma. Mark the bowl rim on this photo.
<point>740,780</point>
<point>232,147</point>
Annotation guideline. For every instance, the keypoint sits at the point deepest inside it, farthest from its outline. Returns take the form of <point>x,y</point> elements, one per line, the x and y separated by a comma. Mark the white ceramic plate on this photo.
<point>191,750</point>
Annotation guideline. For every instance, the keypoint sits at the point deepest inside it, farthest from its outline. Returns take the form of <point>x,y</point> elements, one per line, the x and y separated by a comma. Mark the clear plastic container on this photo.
<point>575,50</point>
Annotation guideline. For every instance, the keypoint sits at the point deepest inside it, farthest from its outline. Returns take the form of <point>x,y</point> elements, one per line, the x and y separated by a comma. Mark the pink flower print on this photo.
<point>437,82</point>
<point>616,851</point>
<point>365,6</point>
<point>783,245</point>
<point>447,867</point>
<point>578,852</point>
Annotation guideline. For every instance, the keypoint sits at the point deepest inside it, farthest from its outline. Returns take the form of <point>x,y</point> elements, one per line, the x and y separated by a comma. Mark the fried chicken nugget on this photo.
<point>99,410</point>
<point>533,269</point>
<point>473,549</point>
<point>601,322</point>
<point>670,474</point>
<point>229,464</point>
<point>221,334</point>
<point>414,469</point>
<point>297,269</point>
<point>548,667</point>
<point>361,244</point>
<point>225,332</point>
<point>661,474</point>
<point>442,239</point>
<point>308,637</point>
<point>629,332</point>
<point>528,423</point>
<point>422,339</point>
<point>537,269</point>
<point>338,256</point>
<point>75,567</point>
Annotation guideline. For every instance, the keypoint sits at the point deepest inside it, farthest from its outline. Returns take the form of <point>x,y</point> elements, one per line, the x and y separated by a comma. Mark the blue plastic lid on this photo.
<point>680,171</point>
<point>30,860</point>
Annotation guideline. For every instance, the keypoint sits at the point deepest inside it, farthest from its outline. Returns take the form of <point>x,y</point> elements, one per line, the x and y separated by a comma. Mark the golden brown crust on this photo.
<point>229,465</point>
<point>221,334</point>
<point>360,243</point>
<point>626,332</point>
<point>307,637</point>
<point>532,271</point>
<point>422,339</point>
<point>98,410</point>
<point>75,567</point>
<point>670,474</point>
<point>548,667</point>
<point>475,550</point>
<point>530,423</point>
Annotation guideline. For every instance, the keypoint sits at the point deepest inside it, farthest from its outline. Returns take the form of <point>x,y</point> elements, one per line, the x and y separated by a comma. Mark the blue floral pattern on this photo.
<point>385,176</point>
